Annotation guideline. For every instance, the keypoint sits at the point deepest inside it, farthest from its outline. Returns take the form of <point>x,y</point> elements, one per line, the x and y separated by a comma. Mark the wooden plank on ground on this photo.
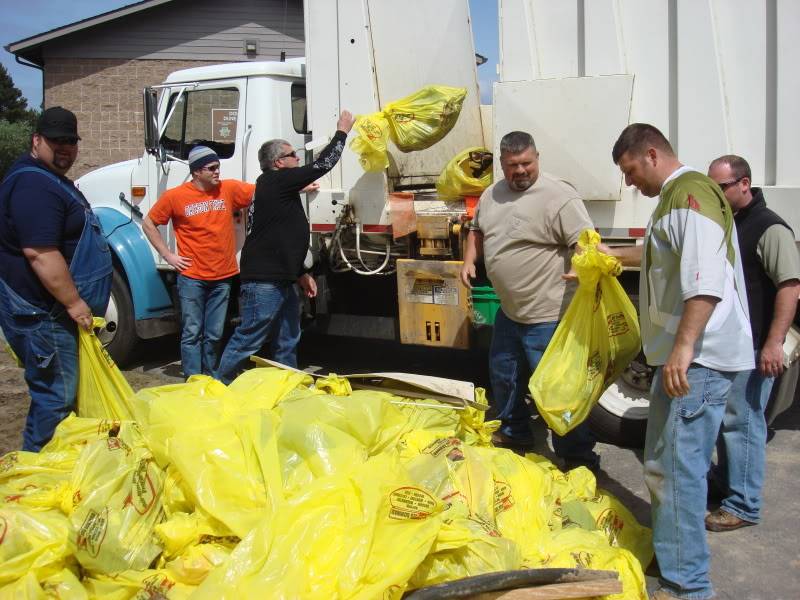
<point>556,591</point>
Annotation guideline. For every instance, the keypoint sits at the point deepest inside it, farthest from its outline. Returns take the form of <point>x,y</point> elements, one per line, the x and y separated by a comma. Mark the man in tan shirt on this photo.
<point>525,227</point>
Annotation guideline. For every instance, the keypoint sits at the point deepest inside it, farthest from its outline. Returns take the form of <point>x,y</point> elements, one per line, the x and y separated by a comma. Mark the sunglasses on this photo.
<point>292,154</point>
<point>726,184</point>
<point>64,141</point>
<point>211,168</point>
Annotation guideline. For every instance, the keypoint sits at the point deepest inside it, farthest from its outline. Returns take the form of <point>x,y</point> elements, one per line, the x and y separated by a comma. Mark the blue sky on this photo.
<point>32,17</point>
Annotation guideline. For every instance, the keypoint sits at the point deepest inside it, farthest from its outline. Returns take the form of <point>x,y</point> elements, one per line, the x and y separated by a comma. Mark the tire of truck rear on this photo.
<point>119,334</point>
<point>620,416</point>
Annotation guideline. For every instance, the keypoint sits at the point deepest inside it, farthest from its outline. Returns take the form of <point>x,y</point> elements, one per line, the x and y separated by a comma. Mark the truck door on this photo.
<point>204,114</point>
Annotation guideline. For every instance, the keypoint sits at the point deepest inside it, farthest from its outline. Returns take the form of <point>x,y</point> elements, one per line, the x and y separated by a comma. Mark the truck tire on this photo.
<point>620,416</point>
<point>119,334</point>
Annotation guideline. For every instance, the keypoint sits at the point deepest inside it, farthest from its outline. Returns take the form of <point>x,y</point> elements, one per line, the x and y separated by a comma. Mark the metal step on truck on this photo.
<point>573,73</point>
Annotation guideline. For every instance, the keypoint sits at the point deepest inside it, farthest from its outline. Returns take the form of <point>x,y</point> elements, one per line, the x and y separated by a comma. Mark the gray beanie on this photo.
<point>200,156</point>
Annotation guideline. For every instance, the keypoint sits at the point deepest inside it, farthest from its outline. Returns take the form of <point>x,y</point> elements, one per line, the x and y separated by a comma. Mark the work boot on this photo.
<point>574,463</point>
<point>722,520</point>
<point>518,444</point>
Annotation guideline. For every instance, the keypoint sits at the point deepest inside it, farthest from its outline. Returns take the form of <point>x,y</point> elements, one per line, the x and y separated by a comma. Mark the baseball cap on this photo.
<point>200,156</point>
<point>58,122</point>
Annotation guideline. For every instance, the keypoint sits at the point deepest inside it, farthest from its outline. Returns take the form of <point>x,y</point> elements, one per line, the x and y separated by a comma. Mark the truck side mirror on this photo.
<point>151,141</point>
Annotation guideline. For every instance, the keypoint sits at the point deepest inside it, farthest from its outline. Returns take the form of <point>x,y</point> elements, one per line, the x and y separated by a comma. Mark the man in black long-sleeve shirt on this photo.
<point>274,252</point>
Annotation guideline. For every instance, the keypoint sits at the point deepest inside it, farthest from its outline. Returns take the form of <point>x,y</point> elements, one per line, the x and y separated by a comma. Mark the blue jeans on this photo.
<point>742,445</point>
<point>515,353</point>
<point>48,348</point>
<point>204,305</point>
<point>681,433</point>
<point>269,312</point>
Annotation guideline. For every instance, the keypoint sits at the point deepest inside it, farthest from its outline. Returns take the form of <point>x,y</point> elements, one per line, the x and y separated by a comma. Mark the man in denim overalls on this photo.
<point>55,271</point>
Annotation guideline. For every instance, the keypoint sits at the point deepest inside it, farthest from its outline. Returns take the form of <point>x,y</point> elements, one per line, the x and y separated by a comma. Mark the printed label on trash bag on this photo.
<point>108,425</point>
<point>598,297</point>
<point>433,291</point>
<point>452,446</point>
<point>411,503</point>
<point>582,559</point>
<point>503,500</point>
<point>143,493</point>
<point>8,461</point>
<point>3,528</point>
<point>93,532</point>
<point>115,443</point>
<point>611,524</point>
<point>594,364</point>
<point>617,324</point>
<point>156,587</point>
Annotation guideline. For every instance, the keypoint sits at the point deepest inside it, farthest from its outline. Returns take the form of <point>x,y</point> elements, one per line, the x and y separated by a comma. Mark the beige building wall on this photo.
<point>106,96</point>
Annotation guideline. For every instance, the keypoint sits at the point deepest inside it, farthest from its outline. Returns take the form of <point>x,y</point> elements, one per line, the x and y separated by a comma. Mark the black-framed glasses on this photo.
<point>292,154</point>
<point>726,184</point>
<point>211,168</point>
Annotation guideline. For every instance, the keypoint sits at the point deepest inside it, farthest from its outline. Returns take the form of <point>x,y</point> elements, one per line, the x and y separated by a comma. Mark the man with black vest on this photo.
<point>772,277</point>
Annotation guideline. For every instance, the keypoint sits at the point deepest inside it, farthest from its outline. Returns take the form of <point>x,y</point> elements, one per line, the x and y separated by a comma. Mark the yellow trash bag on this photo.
<point>74,432</point>
<point>137,585</point>
<point>35,542</point>
<point>467,174</point>
<point>574,547</point>
<point>102,390</point>
<point>117,503</point>
<point>420,120</point>
<point>596,339</point>
<point>189,408</point>
<point>371,142</point>
<point>64,585</point>
<point>413,123</point>
<point>234,474</point>
<point>355,536</point>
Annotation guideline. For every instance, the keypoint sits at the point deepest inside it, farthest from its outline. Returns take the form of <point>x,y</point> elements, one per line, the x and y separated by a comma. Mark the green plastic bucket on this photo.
<point>484,305</point>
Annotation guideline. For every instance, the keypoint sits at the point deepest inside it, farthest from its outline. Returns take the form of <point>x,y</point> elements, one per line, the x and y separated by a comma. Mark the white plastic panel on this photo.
<point>359,57</point>
<point>574,122</point>
<point>601,46</point>
<point>539,39</point>
<point>435,48</point>
<point>741,74</point>
<point>643,33</point>
<point>340,76</point>
<point>788,97</point>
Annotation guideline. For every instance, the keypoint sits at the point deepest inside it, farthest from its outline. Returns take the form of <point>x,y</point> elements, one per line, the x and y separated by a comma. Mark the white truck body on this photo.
<point>573,73</point>
<point>717,77</point>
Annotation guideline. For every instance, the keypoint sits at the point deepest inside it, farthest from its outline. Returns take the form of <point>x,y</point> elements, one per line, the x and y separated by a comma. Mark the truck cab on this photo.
<point>232,109</point>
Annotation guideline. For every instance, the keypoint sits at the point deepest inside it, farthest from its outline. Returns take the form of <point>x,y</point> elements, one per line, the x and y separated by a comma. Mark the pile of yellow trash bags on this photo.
<point>279,486</point>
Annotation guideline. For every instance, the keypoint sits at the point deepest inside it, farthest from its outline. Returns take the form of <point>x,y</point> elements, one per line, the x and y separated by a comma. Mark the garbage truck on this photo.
<point>384,247</point>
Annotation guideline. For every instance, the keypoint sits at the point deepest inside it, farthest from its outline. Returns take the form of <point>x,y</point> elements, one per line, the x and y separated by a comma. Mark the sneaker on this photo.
<point>501,440</point>
<point>722,520</point>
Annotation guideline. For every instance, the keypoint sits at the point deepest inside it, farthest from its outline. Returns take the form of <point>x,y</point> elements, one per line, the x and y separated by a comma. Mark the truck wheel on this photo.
<point>620,416</point>
<point>119,334</point>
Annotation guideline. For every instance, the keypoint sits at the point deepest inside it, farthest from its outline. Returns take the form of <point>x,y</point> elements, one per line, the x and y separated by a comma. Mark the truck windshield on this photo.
<point>202,118</point>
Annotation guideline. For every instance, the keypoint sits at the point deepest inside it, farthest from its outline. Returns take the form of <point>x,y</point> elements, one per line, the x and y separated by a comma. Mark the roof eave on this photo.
<point>31,46</point>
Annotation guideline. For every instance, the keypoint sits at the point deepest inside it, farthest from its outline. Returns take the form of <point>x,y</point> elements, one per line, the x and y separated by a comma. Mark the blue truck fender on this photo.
<point>150,296</point>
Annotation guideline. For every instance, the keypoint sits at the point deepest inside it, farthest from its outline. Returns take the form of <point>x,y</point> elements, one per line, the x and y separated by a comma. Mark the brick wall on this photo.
<point>106,96</point>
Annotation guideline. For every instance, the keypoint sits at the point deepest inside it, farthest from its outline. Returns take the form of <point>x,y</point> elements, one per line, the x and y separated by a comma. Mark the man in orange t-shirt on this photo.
<point>201,211</point>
